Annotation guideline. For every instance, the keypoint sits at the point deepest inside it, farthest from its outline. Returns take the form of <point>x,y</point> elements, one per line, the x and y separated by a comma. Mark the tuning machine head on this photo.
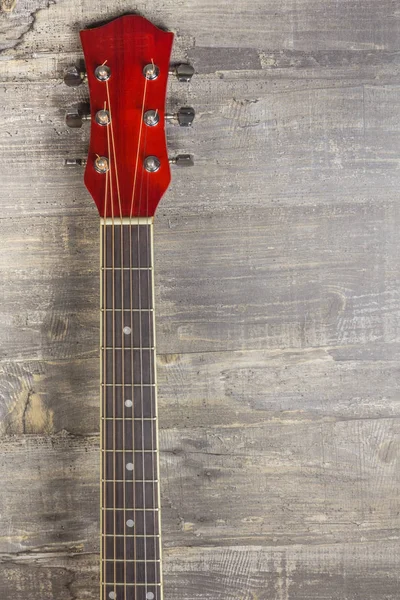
<point>75,118</point>
<point>182,160</point>
<point>182,71</point>
<point>184,117</point>
<point>74,76</point>
<point>75,162</point>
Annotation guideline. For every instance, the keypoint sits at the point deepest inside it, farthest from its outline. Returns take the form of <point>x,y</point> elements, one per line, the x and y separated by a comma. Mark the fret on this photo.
<point>129,434</point>
<point>149,585</point>
<point>130,547</point>
<point>124,480</point>
<point>131,289</point>
<point>127,348</point>
<point>137,495</point>
<point>126,268</point>
<point>126,465</point>
<point>140,324</point>
<point>145,522</point>
<point>123,560</point>
<point>129,402</point>
<point>115,465</point>
<point>144,467</point>
<point>126,419</point>
<point>132,536</point>
<point>131,572</point>
<point>136,245</point>
<point>130,451</point>
<point>118,366</point>
<point>135,310</point>
<point>139,591</point>
<point>130,384</point>
<point>123,451</point>
<point>130,509</point>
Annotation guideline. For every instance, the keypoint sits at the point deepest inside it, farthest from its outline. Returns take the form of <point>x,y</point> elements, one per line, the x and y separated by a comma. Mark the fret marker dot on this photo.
<point>112,596</point>
<point>130,523</point>
<point>128,403</point>
<point>129,467</point>
<point>149,596</point>
<point>126,330</point>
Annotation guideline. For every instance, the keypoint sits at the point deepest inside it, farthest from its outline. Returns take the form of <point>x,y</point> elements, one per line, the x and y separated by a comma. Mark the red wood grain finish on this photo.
<point>126,45</point>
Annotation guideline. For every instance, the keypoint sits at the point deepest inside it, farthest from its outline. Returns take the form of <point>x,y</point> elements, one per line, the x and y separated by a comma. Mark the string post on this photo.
<point>102,72</point>
<point>101,164</point>
<point>151,118</point>
<point>151,71</point>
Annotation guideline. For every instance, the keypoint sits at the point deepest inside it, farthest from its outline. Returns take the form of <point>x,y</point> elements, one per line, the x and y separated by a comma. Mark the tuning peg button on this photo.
<point>183,72</point>
<point>75,162</point>
<point>74,77</point>
<point>76,118</point>
<point>182,160</point>
<point>184,116</point>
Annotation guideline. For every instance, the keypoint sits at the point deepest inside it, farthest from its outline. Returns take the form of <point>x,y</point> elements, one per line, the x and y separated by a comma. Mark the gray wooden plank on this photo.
<point>294,277</point>
<point>359,571</point>
<point>49,574</point>
<point>310,24</point>
<point>321,144</point>
<point>314,573</point>
<point>206,389</point>
<point>285,482</point>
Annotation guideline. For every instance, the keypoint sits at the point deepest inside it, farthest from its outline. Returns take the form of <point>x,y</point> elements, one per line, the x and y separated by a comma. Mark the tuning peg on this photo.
<point>76,118</point>
<point>74,76</point>
<point>184,116</point>
<point>182,160</point>
<point>75,162</point>
<point>183,72</point>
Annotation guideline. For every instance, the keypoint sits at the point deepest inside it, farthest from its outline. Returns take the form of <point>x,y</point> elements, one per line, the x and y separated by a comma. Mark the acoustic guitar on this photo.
<point>127,63</point>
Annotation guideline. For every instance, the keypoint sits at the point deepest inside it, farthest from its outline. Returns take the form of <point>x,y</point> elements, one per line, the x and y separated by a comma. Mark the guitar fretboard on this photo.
<point>130,524</point>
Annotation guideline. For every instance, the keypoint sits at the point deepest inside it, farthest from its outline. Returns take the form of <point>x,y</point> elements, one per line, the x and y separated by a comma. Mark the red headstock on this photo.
<point>127,64</point>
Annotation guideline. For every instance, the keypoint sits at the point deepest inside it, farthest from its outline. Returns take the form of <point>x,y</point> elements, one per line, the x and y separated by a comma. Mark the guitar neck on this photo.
<point>130,505</point>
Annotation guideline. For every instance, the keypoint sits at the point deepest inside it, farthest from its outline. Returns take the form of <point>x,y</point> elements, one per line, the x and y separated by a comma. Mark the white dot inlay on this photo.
<point>112,595</point>
<point>129,466</point>
<point>128,403</point>
<point>127,330</point>
<point>149,596</point>
<point>130,523</point>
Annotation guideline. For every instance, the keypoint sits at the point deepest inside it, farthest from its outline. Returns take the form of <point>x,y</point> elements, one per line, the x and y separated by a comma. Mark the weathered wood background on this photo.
<point>278,305</point>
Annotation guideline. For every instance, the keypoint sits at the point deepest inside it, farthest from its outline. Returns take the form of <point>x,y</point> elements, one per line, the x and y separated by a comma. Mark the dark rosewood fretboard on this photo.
<point>131,550</point>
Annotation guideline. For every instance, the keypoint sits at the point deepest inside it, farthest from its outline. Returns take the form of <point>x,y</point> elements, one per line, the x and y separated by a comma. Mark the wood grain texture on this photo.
<point>277,295</point>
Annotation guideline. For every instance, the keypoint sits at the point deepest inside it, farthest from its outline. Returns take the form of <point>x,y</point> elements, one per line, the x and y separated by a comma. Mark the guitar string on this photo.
<point>149,256</point>
<point>150,376</point>
<point>138,148</point>
<point>140,319</point>
<point>152,393</point>
<point>104,412</point>
<point>141,370</point>
<point>110,133</point>
<point>113,353</point>
<point>133,394</point>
